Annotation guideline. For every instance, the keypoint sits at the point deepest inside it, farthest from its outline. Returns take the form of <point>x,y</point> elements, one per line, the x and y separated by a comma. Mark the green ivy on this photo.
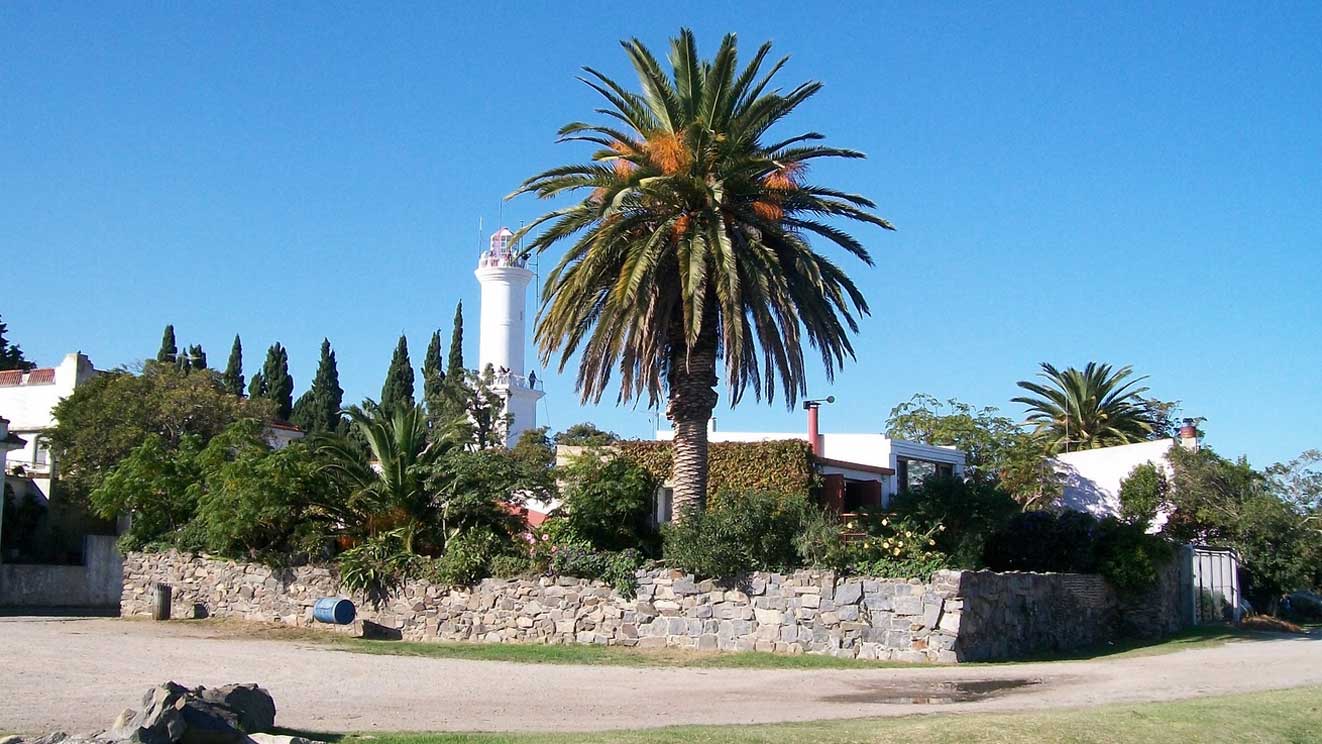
<point>781,467</point>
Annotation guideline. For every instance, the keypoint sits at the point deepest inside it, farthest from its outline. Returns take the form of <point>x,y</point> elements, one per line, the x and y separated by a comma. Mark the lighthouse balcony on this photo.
<point>509,379</point>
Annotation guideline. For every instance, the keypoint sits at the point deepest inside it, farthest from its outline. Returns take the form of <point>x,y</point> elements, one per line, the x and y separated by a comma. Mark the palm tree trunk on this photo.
<point>693,395</point>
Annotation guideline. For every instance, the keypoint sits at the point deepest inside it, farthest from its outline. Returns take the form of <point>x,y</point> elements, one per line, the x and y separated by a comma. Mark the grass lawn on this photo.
<point>1200,637</point>
<point>1283,716</point>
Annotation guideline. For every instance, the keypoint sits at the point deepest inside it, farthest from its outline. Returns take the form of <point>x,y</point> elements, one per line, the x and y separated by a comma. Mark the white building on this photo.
<point>27,399</point>
<point>504,277</point>
<point>1091,478</point>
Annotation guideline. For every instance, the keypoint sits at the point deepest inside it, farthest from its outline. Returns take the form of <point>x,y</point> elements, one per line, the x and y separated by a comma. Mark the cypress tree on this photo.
<point>398,388</point>
<point>318,409</point>
<point>278,385</point>
<point>169,350</point>
<point>455,367</point>
<point>232,380</point>
<point>11,355</point>
<point>197,356</point>
<point>257,387</point>
<point>433,377</point>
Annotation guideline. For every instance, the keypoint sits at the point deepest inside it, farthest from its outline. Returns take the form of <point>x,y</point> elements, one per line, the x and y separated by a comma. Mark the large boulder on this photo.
<point>254,706</point>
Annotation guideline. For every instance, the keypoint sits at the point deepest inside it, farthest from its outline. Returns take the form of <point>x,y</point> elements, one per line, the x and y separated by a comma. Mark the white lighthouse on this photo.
<point>504,279</point>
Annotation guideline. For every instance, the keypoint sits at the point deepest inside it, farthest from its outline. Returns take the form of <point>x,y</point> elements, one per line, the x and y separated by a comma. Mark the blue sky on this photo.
<point>1112,182</point>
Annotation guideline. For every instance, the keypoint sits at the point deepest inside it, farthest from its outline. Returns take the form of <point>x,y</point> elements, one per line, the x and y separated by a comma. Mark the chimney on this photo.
<point>815,437</point>
<point>1189,435</point>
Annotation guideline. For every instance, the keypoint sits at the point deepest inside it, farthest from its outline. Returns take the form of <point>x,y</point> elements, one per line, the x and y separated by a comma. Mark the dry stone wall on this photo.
<point>957,616</point>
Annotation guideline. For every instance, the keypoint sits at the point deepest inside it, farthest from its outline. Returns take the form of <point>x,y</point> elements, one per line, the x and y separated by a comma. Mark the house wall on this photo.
<point>1092,477</point>
<point>956,616</point>
<point>98,583</point>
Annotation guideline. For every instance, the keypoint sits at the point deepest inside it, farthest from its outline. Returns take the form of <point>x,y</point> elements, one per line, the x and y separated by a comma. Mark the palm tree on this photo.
<point>386,490</point>
<point>688,245</point>
<point>1092,407</point>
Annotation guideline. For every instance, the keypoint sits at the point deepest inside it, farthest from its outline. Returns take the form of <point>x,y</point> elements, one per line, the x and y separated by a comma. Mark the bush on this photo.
<point>1075,542</point>
<point>969,512</point>
<point>377,565</point>
<point>511,566</point>
<point>607,501</point>
<point>1142,494</point>
<point>753,531</point>
<point>467,559</point>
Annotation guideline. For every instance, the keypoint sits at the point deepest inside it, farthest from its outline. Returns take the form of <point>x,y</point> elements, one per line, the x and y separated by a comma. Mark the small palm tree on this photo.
<point>688,245</point>
<point>386,490</point>
<point>1093,407</point>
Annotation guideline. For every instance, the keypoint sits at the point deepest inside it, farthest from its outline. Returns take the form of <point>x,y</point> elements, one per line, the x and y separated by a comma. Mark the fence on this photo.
<point>1214,595</point>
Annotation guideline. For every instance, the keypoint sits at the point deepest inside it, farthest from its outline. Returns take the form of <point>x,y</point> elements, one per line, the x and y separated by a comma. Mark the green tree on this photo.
<point>1142,494</point>
<point>11,355</point>
<point>433,373</point>
<point>197,358</point>
<point>169,349</point>
<point>158,482</point>
<point>111,414</point>
<point>982,434</point>
<point>482,422</point>
<point>586,434</point>
<point>232,379</point>
<point>690,245</point>
<point>318,409</point>
<point>274,382</point>
<point>1092,407</point>
<point>397,391</point>
<point>455,364</point>
<point>608,502</point>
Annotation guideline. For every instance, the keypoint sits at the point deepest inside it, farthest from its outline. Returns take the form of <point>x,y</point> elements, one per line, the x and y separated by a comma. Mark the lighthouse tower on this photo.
<point>504,279</point>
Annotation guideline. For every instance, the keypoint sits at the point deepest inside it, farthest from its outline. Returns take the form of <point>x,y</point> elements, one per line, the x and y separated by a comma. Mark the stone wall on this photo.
<point>957,616</point>
<point>93,585</point>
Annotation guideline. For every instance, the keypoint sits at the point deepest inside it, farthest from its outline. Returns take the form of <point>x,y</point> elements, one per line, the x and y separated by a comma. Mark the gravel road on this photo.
<point>78,674</point>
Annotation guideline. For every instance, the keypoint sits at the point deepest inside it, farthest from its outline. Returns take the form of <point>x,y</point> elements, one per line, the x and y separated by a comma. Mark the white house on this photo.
<point>26,400</point>
<point>1092,478</point>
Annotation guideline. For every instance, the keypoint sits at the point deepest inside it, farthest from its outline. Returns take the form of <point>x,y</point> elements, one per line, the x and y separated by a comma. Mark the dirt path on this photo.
<point>78,674</point>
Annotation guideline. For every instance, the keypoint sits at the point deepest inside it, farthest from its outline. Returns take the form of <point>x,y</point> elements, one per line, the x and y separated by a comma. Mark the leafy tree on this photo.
<point>1227,503</point>
<point>1299,482</point>
<point>397,391</point>
<point>169,349</point>
<point>1028,472</point>
<point>1088,408</point>
<point>158,483</point>
<point>197,358</point>
<point>474,490</point>
<point>232,378</point>
<point>483,421</point>
<point>586,434</point>
<point>1142,494</point>
<point>274,382</point>
<point>318,409</point>
<point>455,364</point>
<point>11,355</point>
<point>690,246</point>
<point>982,434</point>
<point>110,415</point>
<point>608,502</point>
<point>534,449</point>
<point>969,511</point>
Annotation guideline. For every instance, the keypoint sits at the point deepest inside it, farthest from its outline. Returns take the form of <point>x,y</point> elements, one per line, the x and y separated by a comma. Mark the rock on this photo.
<point>276,739</point>
<point>254,706</point>
<point>11,739</point>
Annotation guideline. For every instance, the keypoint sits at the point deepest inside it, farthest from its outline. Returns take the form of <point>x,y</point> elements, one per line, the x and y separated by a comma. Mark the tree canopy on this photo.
<point>11,355</point>
<point>318,409</point>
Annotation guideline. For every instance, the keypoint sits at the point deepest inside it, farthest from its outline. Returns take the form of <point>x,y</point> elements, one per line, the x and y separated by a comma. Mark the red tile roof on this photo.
<point>44,376</point>
<point>11,377</point>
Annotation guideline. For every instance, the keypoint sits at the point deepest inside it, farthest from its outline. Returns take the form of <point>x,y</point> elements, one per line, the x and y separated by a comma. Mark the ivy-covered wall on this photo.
<point>783,466</point>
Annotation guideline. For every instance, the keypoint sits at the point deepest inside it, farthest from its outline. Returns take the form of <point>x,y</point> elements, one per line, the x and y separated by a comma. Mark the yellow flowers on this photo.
<point>897,551</point>
<point>885,522</point>
<point>931,542</point>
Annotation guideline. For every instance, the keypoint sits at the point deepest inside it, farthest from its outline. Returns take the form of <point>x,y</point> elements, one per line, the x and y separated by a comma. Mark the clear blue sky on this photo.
<point>1084,182</point>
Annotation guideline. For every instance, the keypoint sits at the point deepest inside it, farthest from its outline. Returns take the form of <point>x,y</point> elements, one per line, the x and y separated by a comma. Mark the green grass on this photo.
<point>1201,637</point>
<point>1293,716</point>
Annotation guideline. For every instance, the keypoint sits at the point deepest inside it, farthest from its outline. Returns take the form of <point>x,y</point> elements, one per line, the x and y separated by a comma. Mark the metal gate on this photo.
<point>1215,585</point>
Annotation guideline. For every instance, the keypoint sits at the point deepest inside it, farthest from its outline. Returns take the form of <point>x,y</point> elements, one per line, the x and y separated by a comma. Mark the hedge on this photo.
<point>780,467</point>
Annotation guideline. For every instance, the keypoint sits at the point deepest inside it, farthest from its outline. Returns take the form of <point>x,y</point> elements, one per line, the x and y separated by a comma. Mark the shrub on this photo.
<point>896,547</point>
<point>467,559</point>
<point>580,560</point>
<point>1075,542</point>
<point>377,565</point>
<point>744,532</point>
<point>970,512</point>
<point>1142,494</point>
<point>511,566</point>
<point>607,501</point>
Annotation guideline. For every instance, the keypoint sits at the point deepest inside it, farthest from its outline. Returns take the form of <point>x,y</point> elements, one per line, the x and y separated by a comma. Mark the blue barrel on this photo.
<point>334,610</point>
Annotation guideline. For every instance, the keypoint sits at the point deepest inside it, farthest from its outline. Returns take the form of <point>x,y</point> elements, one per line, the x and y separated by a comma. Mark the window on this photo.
<point>665,505</point>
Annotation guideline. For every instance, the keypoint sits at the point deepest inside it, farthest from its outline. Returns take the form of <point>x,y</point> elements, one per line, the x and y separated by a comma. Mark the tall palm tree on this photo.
<point>688,245</point>
<point>386,490</point>
<point>1093,407</point>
